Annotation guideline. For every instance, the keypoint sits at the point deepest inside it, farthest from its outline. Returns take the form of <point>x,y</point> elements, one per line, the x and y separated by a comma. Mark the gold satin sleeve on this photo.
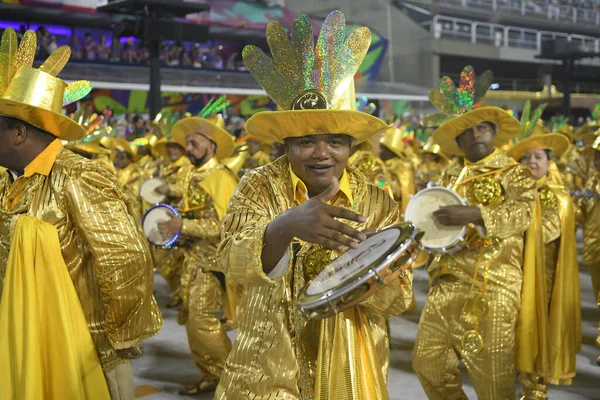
<point>121,257</point>
<point>208,225</point>
<point>550,220</point>
<point>244,228</point>
<point>514,215</point>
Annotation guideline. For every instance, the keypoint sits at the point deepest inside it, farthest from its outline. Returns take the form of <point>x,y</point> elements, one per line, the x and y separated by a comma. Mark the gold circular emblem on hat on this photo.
<point>472,342</point>
<point>484,191</point>
<point>310,100</point>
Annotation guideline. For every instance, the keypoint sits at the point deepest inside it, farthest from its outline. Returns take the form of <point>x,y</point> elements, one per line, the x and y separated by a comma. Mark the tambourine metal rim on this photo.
<point>448,247</point>
<point>174,211</point>
<point>379,275</point>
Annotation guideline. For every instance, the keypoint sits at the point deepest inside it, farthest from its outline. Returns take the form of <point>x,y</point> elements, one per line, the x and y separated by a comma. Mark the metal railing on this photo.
<point>502,35</point>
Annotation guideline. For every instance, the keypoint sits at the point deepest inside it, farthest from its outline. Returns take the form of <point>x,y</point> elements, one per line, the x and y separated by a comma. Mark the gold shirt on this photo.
<point>590,221</point>
<point>102,244</point>
<point>265,362</point>
<point>207,190</point>
<point>401,180</point>
<point>147,166</point>
<point>130,180</point>
<point>104,160</point>
<point>372,168</point>
<point>174,175</point>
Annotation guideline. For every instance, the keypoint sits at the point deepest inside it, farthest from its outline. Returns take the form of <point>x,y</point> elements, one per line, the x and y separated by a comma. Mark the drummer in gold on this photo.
<point>281,230</point>
<point>400,169</point>
<point>207,189</point>
<point>129,175</point>
<point>100,240</point>
<point>169,261</point>
<point>535,149</point>
<point>472,308</point>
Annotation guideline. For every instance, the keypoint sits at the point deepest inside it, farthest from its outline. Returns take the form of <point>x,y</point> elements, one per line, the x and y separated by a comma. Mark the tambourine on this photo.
<point>152,217</point>
<point>438,237</point>
<point>148,191</point>
<point>359,273</point>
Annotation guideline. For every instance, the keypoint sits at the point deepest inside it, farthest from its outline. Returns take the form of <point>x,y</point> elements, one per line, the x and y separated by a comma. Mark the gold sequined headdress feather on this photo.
<point>462,108</point>
<point>306,80</point>
<point>34,95</point>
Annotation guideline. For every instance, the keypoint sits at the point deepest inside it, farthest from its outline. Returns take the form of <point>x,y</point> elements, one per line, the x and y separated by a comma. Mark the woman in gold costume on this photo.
<point>289,219</point>
<point>535,149</point>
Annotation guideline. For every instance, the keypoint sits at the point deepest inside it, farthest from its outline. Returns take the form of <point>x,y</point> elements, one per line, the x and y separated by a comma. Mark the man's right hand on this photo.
<point>315,222</point>
<point>163,189</point>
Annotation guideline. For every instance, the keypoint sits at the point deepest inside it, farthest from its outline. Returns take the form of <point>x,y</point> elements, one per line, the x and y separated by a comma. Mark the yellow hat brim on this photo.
<point>556,142</point>
<point>56,124</point>
<point>220,136</point>
<point>90,148</point>
<point>161,147</point>
<point>445,135</point>
<point>275,126</point>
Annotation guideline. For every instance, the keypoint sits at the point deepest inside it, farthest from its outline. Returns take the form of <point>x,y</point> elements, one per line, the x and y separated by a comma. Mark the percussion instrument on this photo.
<point>358,273</point>
<point>152,217</point>
<point>148,191</point>
<point>419,211</point>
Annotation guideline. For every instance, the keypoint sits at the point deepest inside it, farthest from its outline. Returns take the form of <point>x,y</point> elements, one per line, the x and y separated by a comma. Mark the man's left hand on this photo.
<point>458,215</point>
<point>170,228</point>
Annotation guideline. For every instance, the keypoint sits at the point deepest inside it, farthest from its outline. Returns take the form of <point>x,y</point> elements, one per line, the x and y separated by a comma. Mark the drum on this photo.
<point>152,217</point>
<point>148,191</point>
<point>419,211</point>
<point>358,273</point>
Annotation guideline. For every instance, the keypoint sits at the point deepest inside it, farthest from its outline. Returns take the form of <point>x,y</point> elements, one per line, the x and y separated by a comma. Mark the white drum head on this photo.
<point>150,224</point>
<point>354,261</point>
<point>420,212</point>
<point>148,191</point>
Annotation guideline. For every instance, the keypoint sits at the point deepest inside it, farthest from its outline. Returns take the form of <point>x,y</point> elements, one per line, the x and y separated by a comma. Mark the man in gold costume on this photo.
<point>370,165</point>
<point>95,151</point>
<point>174,170</point>
<point>207,189</point>
<point>256,156</point>
<point>589,215</point>
<point>93,234</point>
<point>400,170</point>
<point>145,159</point>
<point>472,308</point>
<point>282,228</point>
<point>535,149</point>
<point>129,175</point>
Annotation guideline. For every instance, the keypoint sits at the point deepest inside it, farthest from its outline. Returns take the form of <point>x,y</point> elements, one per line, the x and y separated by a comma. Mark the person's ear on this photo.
<point>20,134</point>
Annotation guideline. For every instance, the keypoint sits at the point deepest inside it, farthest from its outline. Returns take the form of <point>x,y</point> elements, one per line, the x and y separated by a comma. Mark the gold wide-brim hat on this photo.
<point>36,97</point>
<point>393,140</point>
<point>120,144</point>
<point>556,142</point>
<point>276,126</point>
<point>160,147</point>
<point>507,127</point>
<point>212,128</point>
<point>92,148</point>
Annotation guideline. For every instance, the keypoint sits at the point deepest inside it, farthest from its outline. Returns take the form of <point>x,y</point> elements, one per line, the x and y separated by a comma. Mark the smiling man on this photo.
<point>473,305</point>
<point>288,220</point>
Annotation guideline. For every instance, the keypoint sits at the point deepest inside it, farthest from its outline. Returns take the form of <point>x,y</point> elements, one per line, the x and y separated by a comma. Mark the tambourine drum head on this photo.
<point>150,225</point>
<point>420,212</point>
<point>148,191</point>
<point>355,262</point>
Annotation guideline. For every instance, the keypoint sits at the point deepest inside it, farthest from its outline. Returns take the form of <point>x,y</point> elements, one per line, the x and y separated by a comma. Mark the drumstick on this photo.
<point>461,176</point>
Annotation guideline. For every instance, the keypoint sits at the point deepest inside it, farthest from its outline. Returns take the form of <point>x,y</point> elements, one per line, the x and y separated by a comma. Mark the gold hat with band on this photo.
<point>461,108</point>
<point>312,84</point>
<point>120,144</point>
<point>393,139</point>
<point>37,96</point>
<point>212,128</point>
<point>533,135</point>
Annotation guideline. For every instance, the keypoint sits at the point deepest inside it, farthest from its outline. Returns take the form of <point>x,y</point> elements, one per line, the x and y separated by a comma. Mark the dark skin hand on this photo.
<point>132,353</point>
<point>458,215</point>
<point>170,228</point>
<point>313,222</point>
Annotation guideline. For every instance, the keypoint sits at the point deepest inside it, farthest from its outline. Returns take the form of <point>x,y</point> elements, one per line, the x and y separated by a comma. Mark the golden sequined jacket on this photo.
<point>372,168</point>
<point>102,244</point>
<point>130,180</point>
<point>174,175</point>
<point>207,190</point>
<point>265,362</point>
<point>589,217</point>
<point>401,177</point>
<point>505,193</point>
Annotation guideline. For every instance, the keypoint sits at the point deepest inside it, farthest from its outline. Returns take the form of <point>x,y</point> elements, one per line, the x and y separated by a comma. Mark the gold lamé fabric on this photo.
<point>104,160</point>
<point>506,194</point>
<point>147,166</point>
<point>275,356</point>
<point>174,175</point>
<point>428,172</point>
<point>372,168</point>
<point>102,245</point>
<point>130,180</point>
<point>205,190</point>
<point>573,167</point>
<point>401,177</point>
<point>257,159</point>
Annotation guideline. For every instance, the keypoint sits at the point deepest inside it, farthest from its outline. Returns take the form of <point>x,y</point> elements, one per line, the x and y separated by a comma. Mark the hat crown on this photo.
<point>301,75</point>
<point>36,88</point>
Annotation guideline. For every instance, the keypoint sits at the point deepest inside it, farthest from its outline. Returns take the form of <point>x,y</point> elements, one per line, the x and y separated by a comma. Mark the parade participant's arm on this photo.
<point>313,222</point>
<point>514,215</point>
<point>121,256</point>
<point>550,219</point>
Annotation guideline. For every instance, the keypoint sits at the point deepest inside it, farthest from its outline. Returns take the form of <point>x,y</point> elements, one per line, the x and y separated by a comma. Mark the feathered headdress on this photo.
<point>462,108</point>
<point>36,96</point>
<point>308,81</point>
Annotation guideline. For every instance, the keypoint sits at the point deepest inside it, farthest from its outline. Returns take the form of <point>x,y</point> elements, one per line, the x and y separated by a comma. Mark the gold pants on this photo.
<point>169,264</point>
<point>120,382</point>
<point>438,348</point>
<point>208,341</point>
<point>534,387</point>
<point>595,274</point>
